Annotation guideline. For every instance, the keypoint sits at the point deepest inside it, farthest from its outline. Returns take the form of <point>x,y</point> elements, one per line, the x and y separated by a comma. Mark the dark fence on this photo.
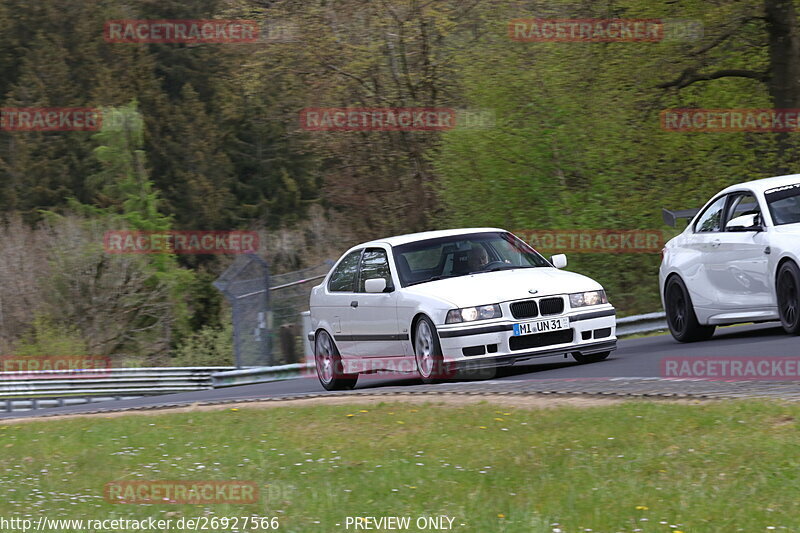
<point>246,286</point>
<point>290,293</point>
<point>267,325</point>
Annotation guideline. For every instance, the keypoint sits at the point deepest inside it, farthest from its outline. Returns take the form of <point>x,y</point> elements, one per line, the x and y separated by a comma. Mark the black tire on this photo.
<point>428,352</point>
<point>590,358</point>
<point>329,364</point>
<point>787,284</point>
<point>681,317</point>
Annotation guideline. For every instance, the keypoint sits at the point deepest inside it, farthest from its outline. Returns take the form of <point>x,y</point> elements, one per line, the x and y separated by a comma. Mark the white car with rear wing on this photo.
<point>737,260</point>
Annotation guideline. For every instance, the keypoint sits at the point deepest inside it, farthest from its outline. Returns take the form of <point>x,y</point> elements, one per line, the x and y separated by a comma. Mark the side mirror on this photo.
<point>559,260</point>
<point>749,222</point>
<point>375,285</point>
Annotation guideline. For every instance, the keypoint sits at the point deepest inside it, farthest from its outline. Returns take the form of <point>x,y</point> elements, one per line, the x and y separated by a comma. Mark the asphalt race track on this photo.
<point>634,358</point>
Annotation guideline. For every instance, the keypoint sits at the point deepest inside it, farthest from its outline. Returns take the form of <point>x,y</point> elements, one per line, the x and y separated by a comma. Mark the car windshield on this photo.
<point>459,255</point>
<point>784,204</point>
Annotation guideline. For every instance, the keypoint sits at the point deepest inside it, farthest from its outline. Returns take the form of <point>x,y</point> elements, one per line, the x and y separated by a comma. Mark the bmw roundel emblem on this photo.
<point>532,291</point>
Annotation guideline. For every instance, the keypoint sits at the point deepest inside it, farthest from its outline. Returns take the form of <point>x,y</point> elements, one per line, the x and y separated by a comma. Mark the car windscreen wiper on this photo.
<point>504,267</point>
<point>432,278</point>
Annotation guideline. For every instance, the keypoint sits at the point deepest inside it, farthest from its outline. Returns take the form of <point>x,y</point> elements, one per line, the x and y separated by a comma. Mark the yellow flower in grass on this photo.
<point>500,515</point>
<point>642,508</point>
<point>349,415</point>
<point>363,411</point>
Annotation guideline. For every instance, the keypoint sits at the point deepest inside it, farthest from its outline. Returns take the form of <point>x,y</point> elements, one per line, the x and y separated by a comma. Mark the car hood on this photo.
<point>505,285</point>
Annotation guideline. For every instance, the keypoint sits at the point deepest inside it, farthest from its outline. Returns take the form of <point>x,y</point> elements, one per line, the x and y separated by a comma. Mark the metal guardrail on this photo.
<point>637,324</point>
<point>267,374</point>
<point>20,391</point>
<point>23,391</point>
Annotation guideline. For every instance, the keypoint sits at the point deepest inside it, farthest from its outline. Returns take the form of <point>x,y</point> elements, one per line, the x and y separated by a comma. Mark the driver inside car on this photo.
<point>478,258</point>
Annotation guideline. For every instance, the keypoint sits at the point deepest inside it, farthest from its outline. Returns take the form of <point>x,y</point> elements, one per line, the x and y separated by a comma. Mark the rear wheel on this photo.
<point>590,358</point>
<point>329,365</point>
<point>428,351</point>
<point>788,286</point>
<point>681,317</point>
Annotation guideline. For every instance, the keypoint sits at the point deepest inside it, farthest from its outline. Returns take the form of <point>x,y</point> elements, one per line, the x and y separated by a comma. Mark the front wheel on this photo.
<point>788,286</point>
<point>428,351</point>
<point>681,318</point>
<point>329,365</point>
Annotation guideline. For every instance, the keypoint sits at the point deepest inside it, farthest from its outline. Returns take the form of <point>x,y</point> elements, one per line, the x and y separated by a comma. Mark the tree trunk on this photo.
<point>784,55</point>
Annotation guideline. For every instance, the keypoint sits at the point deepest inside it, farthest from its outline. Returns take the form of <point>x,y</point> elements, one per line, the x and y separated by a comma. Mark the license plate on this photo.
<point>541,326</point>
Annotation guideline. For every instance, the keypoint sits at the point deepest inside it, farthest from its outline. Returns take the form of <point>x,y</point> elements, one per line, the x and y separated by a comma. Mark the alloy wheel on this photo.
<point>677,308</point>
<point>424,348</point>
<point>325,358</point>
<point>787,297</point>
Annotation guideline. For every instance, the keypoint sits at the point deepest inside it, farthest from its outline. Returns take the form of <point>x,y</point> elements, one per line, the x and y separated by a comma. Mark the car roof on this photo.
<point>413,237</point>
<point>765,184</point>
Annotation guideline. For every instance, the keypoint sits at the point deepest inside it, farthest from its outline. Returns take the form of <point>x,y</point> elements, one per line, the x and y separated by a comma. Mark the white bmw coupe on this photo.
<point>737,260</point>
<point>441,302</point>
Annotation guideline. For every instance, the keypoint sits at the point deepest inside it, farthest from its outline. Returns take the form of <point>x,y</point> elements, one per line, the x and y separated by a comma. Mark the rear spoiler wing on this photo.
<point>671,217</point>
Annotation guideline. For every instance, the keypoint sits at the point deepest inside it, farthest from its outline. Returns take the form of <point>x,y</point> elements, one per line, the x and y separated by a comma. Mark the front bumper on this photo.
<point>590,331</point>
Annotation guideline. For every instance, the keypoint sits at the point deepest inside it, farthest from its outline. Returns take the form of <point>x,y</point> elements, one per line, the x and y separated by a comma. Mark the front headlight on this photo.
<point>470,314</point>
<point>582,299</point>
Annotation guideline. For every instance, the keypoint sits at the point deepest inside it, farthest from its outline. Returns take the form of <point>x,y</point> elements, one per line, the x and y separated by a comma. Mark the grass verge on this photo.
<point>629,466</point>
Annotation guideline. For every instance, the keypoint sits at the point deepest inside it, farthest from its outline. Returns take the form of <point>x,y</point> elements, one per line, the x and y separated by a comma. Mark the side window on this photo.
<point>343,278</point>
<point>741,204</point>
<point>711,218</point>
<point>374,264</point>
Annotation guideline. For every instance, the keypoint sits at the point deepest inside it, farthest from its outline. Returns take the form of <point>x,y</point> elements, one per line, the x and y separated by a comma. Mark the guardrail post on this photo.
<point>309,348</point>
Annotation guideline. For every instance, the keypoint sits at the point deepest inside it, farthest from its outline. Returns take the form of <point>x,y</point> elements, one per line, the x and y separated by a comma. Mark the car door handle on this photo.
<point>715,243</point>
<point>354,303</point>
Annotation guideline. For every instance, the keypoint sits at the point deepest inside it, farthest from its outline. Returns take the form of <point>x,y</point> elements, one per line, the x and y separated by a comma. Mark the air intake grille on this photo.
<point>526,309</point>
<point>551,306</point>
<point>600,333</point>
